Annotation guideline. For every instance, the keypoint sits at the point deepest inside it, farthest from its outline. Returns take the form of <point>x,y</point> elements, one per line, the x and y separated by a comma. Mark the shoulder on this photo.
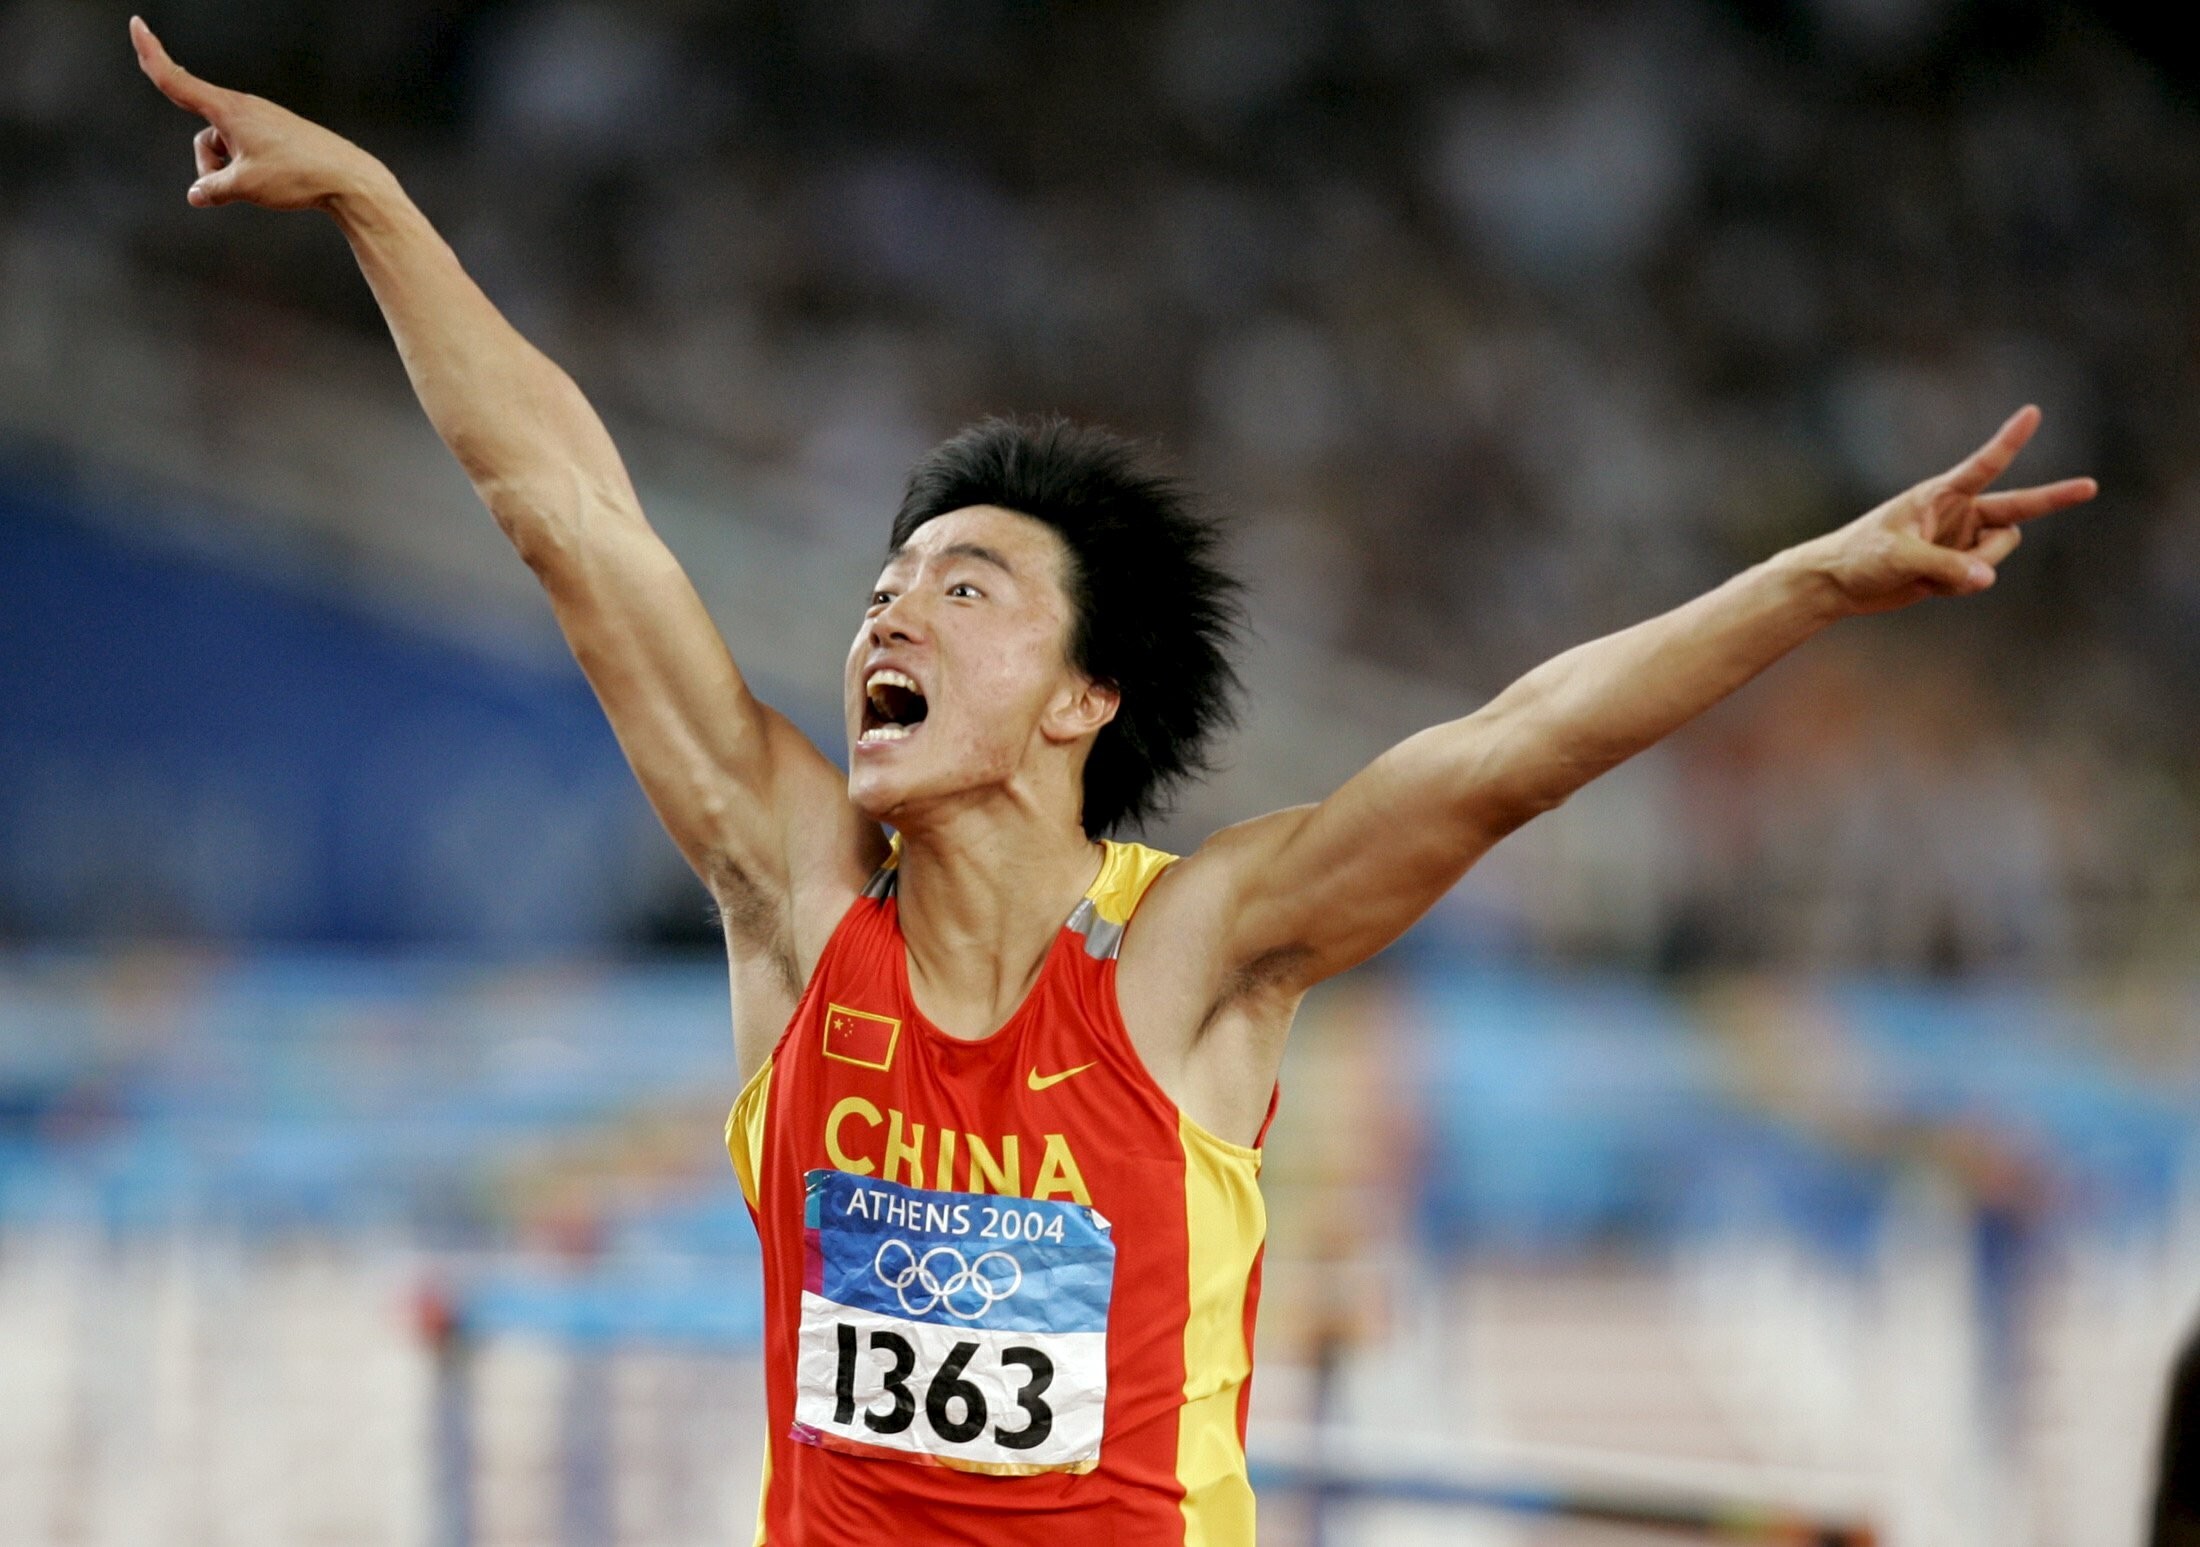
<point>1179,958</point>
<point>1206,888</point>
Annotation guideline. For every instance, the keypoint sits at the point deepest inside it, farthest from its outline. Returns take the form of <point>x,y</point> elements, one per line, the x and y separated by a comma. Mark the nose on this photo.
<point>897,622</point>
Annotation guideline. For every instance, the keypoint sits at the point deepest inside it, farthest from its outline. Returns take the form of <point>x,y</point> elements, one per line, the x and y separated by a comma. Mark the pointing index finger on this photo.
<point>1990,461</point>
<point>176,83</point>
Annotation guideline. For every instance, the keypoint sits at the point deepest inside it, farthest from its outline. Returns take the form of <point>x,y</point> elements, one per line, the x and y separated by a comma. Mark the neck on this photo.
<point>982,893</point>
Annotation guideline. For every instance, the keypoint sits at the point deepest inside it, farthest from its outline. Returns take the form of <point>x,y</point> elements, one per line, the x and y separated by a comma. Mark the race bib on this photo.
<point>955,1329</point>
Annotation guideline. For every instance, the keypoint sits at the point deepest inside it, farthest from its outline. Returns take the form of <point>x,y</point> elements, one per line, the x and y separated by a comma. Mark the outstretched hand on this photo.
<point>1947,535</point>
<point>251,151</point>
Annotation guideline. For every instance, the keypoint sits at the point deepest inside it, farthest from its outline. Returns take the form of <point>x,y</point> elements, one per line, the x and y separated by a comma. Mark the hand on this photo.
<point>252,151</point>
<point>1945,536</point>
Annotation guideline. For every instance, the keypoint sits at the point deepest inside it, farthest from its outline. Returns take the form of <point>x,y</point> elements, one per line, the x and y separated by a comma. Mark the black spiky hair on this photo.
<point>1153,613</point>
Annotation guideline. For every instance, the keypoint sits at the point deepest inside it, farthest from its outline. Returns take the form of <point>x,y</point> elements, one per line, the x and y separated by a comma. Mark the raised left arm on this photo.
<point>1317,889</point>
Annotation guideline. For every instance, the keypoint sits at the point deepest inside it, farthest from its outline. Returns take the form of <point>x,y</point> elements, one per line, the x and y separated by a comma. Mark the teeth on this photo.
<point>887,677</point>
<point>886,733</point>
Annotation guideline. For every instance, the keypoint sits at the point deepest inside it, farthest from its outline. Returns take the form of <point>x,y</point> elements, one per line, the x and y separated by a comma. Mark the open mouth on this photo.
<point>893,706</point>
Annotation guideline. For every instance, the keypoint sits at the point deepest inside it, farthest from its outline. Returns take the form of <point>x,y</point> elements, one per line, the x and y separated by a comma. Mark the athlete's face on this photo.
<point>959,678</point>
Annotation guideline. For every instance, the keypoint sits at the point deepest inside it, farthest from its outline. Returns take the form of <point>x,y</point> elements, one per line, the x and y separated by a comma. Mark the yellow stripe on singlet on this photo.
<point>763,1494</point>
<point>745,1131</point>
<point>1225,1222</point>
<point>1125,873</point>
<point>745,1148</point>
<point>1126,870</point>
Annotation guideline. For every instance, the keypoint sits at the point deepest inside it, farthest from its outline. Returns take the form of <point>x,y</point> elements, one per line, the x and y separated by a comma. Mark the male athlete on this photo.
<point>1006,1079</point>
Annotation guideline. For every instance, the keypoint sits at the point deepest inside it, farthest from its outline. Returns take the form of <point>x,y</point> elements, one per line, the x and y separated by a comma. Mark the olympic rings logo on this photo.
<point>965,1282</point>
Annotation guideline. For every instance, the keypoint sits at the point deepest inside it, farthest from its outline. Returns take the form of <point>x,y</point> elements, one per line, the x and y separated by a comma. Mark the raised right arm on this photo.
<point>759,812</point>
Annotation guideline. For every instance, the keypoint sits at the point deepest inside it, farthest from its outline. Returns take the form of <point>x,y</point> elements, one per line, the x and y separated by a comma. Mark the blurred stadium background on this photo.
<point>1802,1120</point>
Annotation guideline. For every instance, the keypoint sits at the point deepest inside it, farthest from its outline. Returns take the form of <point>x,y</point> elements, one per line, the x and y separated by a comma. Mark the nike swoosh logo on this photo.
<point>1038,1081</point>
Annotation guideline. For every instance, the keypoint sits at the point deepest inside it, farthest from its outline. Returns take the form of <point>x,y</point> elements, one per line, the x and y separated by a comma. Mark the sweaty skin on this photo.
<point>985,793</point>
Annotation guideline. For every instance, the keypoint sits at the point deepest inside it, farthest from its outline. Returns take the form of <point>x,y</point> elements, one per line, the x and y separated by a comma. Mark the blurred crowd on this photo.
<point>1493,326</point>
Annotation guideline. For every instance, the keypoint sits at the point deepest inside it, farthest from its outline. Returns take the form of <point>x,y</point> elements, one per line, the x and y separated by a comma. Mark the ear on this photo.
<point>1080,710</point>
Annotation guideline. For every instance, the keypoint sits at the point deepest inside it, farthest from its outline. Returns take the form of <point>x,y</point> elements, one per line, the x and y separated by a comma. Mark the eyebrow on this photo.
<point>981,553</point>
<point>978,551</point>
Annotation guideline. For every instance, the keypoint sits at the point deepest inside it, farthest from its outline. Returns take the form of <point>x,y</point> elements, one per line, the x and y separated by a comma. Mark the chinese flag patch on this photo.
<point>859,1037</point>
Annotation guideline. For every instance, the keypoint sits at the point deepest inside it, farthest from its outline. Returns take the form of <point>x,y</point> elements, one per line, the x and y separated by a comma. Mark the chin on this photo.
<point>879,793</point>
<point>871,797</point>
<point>889,787</point>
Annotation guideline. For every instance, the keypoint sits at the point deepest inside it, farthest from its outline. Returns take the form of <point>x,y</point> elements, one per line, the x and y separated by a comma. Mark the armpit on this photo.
<point>756,919</point>
<point>1257,979</point>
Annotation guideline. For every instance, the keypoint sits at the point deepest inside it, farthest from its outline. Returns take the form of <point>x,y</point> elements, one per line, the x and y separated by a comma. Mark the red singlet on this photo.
<point>1008,1286</point>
